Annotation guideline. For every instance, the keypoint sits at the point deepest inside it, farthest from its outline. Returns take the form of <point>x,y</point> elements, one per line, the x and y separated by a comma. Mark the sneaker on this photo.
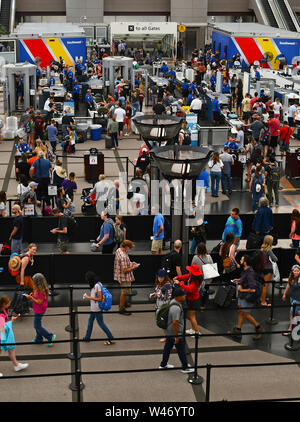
<point>235,332</point>
<point>190,331</point>
<point>86,339</point>
<point>187,370</point>
<point>258,330</point>
<point>168,366</point>
<point>126,134</point>
<point>21,366</point>
<point>52,340</point>
<point>123,311</point>
<point>36,342</point>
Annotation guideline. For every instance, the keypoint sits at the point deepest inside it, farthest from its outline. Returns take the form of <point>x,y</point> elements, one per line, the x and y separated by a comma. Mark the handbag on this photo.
<point>210,271</point>
<point>276,273</point>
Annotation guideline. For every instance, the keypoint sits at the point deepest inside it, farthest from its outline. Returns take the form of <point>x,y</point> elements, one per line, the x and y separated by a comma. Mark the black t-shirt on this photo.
<point>24,168</point>
<point>67,120</point>
<point>176,262</point>
<point>159,108</point>
<point>62,223</point>
<point>18,222</point>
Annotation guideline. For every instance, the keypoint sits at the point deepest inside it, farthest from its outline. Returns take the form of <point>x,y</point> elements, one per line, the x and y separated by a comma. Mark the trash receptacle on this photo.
<point>93,165</point>
<point>96,131</point>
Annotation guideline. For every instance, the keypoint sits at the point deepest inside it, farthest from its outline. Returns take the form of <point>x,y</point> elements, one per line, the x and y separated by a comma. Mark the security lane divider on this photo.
<point>75,356</point>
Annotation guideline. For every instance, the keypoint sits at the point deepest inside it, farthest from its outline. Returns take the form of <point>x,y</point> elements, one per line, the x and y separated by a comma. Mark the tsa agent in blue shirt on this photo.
<point>193,88</point>
<point>190,98</point>
<point>75,94</point>
<point>234,146</point>
<point>164,69</point>
<point>257,75</point>
<point>216,110</point>
<point>89,101</point>
<point>213,81</point>
<point>225,88</point>
<point>23,147</point>
<point>51,81</point>
<point>172,73</point>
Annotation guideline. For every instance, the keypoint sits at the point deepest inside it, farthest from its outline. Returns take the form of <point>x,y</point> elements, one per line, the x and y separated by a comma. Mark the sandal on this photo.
<point>162,340</point>
<point>109,342</point>
<point>265,304</point>
<point>287,333</point>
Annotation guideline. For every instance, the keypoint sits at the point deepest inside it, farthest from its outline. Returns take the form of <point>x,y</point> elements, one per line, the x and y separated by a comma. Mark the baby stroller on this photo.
<point>89,202</point>
<point>67,147</point>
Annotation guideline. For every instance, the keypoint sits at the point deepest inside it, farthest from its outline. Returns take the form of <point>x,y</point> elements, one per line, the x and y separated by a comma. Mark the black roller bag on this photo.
<point>225,294</point>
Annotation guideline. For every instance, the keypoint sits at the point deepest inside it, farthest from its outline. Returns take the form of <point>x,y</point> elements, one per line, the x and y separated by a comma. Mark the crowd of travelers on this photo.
<point>262,132</point>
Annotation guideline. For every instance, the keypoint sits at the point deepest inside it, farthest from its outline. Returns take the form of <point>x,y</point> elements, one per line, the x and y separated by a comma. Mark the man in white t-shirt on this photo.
<point>196,106</point>
<point>120,114</point>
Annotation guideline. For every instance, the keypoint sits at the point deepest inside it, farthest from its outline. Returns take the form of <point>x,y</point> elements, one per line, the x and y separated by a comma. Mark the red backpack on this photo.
<point>39,124</point>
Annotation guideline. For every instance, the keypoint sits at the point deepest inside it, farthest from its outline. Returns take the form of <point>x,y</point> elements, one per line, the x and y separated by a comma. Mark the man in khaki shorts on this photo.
<point>158,232</point>
<point>123,273</point>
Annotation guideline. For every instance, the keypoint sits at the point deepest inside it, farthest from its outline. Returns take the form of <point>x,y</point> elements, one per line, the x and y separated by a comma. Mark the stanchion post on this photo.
<point>76,384</point>
<point>290,346</point>
<point>69,327</point>
<point>208,378</point>
<point>271,320</point>
<point>196,379</point>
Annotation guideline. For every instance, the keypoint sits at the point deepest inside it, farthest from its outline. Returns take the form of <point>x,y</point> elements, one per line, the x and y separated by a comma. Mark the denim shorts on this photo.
<point>297,309</point>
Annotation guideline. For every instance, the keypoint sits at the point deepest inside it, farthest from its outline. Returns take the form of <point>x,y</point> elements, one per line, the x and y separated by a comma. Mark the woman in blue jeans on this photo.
<point>96,313</point>
<point>215,165</point>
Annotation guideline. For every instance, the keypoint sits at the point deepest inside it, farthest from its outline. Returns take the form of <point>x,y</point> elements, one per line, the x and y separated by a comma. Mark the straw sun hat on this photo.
<point>14,264</point>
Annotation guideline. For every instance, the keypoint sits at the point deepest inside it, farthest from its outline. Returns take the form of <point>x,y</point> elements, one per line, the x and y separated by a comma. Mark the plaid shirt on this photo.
<point>122,261</point>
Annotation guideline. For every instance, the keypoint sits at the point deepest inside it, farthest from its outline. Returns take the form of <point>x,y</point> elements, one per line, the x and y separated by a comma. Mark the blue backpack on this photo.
<point>106,302</point>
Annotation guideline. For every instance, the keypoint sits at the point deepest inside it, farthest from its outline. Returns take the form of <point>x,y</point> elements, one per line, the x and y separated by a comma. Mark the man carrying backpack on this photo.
<point>273,180</point>
<point>173,321</point>
<point>62,231</point>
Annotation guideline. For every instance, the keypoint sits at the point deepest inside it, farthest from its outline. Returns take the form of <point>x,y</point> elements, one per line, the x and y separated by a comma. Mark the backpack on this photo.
<point>5,250</point>
<point>167,264</point>
<point>38,124</point>
<point>19,303</point>
<point>200,234</point>
<point>257,187</point>
<point>106,302</point>
<point>256,153</point>
<point>28,127</point>
<point>118,233</point>
<point>228,264</point>
<point>275,174</point>
<point>72,225</point>
<point>24,197</point>
<point>258,262</point>
<point>186,139</point>
<point>162,315</point>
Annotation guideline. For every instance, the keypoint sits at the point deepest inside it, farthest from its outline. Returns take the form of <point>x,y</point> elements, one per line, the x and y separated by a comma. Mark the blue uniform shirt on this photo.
<point>158,221</point>
<point>88,98</point>
<point>52,81</point>
<point>107,228</point>
<point>76,89</point>
<point>216,105</point>
<point>225,89</point>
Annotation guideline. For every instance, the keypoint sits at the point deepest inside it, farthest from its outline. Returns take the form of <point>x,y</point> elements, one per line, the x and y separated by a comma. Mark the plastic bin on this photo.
<point>96,131</point>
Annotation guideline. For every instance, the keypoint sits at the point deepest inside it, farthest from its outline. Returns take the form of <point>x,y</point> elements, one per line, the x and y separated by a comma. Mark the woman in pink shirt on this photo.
<point>39,297</point>
<point>295,228</point>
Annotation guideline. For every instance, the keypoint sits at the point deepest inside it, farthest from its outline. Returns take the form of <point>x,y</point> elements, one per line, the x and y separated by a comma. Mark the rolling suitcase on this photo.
<point>225,294</point>
<point>108,142</point>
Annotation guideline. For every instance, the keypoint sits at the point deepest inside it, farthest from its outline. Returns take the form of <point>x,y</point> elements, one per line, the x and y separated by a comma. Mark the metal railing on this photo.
<point>76,373</point>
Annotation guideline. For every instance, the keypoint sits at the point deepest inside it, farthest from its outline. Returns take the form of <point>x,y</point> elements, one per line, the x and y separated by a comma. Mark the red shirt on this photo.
<point>191,288</point>
<point>285,134</point>
<point>253,101</point>
<point>274,125</point>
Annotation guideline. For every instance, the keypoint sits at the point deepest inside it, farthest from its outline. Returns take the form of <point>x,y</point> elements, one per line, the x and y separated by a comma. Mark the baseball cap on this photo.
<point>178,291</point>
<point>161,273</point>
<point>31,184</point>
